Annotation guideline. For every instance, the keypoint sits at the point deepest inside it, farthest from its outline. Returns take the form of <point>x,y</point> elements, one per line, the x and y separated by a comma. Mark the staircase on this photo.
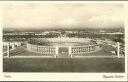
<point>63,56</point>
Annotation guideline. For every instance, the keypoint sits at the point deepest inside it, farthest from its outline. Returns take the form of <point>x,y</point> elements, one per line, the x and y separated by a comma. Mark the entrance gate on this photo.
<point>63,52</point>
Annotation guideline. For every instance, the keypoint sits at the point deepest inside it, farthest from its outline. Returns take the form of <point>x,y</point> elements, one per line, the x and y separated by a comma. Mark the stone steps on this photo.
<point>63,56</point>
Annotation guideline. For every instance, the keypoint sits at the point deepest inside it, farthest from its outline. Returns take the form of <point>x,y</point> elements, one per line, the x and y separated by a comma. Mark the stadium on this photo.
<point>62,47</point>
<point>62,52</point>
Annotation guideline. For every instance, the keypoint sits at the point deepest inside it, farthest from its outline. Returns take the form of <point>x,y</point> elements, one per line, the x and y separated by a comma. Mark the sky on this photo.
<point>63,15</point>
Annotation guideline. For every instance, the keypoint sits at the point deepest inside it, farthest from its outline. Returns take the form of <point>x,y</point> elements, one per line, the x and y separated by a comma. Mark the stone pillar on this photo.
<point>56,51</point>
<point>118,49</point>
<point>8,50</point>
<point>13,46</point>
<point>70,51</point>
<point>88,48</point>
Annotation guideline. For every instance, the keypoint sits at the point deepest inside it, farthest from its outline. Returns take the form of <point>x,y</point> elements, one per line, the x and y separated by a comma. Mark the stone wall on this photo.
<point>72,50</point>
<point>41,49</point>
<point>82,49</point>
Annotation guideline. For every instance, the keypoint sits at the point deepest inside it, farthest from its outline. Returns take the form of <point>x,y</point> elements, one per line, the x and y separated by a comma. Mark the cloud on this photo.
<point>98,18</point>
<point>106,20</point>
<point>31,15</point>
<point>68,21</point>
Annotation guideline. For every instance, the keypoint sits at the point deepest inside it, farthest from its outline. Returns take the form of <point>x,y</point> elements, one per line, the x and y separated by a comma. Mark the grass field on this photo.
<point>114,65</point>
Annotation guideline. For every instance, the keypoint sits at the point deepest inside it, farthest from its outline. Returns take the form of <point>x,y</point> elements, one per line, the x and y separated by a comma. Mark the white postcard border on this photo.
<point>36,76</point>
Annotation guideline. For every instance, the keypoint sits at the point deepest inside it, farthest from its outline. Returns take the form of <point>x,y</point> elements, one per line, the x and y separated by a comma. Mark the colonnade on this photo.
<point>55,49</point>
<point>82,49</point>
<point>42,49</point>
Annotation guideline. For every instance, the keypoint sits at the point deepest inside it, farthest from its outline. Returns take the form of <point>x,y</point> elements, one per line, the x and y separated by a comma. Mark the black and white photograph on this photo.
<point>63,38</point>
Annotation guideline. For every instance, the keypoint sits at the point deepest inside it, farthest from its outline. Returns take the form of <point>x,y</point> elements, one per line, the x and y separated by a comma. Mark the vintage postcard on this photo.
<point>64,40</point>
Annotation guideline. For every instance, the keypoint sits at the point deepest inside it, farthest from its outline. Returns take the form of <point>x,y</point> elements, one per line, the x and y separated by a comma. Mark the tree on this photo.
<point>118,39</point>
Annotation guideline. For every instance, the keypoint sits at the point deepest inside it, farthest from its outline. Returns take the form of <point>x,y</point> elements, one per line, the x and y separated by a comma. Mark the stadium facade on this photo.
<point>62,47</point>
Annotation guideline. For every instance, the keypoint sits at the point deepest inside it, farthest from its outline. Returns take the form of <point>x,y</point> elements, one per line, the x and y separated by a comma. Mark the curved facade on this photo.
<point>61,47</point>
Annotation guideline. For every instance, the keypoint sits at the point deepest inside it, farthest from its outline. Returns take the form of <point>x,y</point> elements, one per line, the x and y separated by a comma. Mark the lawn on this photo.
<point>82,65</point>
